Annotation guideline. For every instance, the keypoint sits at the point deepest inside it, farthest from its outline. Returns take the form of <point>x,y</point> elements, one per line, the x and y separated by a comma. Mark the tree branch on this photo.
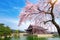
<point>53,18</point>
<point>47,21</point>
<point>43,11</point>
<point>54,2</point>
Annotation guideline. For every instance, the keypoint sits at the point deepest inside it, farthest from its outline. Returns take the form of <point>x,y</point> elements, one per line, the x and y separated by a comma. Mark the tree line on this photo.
<point>4,30</point>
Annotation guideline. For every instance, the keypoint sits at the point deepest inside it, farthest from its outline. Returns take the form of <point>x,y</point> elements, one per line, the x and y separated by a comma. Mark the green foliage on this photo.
<point>4,30</point>
<point>16,31</point>
<point>55,35</point>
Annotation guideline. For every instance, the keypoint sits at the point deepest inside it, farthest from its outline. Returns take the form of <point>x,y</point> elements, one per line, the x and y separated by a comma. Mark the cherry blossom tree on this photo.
<point>41,13</point>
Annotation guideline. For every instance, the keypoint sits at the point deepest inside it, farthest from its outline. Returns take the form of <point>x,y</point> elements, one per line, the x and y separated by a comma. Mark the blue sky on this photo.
<point>9,12</point>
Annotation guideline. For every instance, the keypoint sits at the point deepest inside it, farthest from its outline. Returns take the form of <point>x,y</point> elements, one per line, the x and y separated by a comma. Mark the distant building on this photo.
<point>33,29</point>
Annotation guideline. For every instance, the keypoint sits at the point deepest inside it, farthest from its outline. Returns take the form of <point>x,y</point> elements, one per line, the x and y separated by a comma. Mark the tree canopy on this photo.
<point>4,30</point>
<point>44,13</point>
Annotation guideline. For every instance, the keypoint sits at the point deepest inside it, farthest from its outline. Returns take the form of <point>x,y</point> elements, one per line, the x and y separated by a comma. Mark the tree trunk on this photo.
<point>58,29</point>
<point>57,26</point>
<point>53,20</point>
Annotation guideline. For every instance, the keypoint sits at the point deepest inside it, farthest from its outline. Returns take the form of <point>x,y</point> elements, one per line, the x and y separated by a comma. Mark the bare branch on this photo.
<point>55,2</point>
<point>43,11</point>
<point>47,21</point>
<point>50,2</point>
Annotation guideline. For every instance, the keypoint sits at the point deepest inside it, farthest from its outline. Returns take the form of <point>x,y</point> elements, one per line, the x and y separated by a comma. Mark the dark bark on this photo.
<point>53,20</point>
<point>53,17</point>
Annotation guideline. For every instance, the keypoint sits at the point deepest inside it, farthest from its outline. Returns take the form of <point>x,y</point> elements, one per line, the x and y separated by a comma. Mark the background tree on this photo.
<point>4,30</point>
<point>41,13</point>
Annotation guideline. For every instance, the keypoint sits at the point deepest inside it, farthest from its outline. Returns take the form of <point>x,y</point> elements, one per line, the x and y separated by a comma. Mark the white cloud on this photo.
<point>13,23</point>
<point>17,8</point>
<point>24,25</point>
